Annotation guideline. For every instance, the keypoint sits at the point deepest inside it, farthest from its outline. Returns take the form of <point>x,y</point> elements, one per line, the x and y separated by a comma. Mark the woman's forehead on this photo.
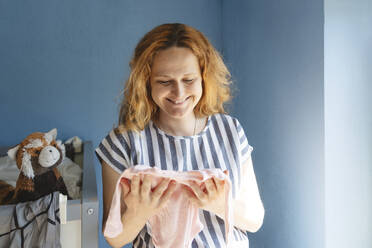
<point>175,60</point>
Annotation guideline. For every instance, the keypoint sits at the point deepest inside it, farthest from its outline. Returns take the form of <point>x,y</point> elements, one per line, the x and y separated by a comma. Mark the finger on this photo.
<point>191,197</point>
<point>168,193</point>
<point>159,190</point>
<point>124,186</point>
<point>197,191</point>
<point>220,184</point>
<point>134,185</point>
<point>211,187</point>
<point>146,186</point>
<point>125,189</point>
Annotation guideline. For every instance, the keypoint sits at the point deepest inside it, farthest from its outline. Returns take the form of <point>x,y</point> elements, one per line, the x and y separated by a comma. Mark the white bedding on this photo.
<point>70,172</point>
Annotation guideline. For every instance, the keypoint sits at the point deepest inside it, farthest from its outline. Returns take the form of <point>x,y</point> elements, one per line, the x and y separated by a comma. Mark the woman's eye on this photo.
<point>188,80</point>
<point>163,82</point>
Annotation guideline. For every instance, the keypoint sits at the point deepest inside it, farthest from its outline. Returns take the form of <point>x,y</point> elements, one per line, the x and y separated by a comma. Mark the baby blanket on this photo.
<point>178,222</point>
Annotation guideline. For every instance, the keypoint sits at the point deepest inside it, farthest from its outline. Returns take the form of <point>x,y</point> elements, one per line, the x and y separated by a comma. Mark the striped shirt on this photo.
<point>222,144</point>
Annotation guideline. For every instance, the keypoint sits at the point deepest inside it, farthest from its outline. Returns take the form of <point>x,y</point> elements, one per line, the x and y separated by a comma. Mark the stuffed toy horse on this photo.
<point>37,157</point>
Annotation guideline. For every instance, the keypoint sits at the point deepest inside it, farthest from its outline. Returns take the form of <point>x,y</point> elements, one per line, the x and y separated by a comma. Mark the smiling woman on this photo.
<point>138,107</point>
<point>173,118</point>
<point>176,88</point>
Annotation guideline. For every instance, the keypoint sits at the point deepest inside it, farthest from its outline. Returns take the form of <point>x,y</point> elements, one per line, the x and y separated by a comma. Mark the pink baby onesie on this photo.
<point>177,224</point>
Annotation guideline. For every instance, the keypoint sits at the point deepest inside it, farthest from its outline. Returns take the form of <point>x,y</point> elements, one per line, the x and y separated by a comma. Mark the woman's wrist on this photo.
<point>220,212</point>
<point>132,216</point>
<point>132,225</point>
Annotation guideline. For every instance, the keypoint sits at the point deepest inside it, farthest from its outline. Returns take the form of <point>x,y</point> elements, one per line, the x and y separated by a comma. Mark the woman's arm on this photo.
<point>248,208</point>
<point>139,203</point>
<point>109,179</point>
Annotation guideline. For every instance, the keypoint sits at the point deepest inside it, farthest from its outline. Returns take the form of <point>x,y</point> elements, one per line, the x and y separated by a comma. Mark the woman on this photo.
<point>172,117</point>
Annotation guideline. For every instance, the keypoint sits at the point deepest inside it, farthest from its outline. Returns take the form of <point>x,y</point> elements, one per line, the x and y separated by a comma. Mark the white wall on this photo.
<point>348,123</point>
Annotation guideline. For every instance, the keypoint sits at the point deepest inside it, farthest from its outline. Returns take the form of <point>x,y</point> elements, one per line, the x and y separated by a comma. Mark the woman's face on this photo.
<point>176,83</point>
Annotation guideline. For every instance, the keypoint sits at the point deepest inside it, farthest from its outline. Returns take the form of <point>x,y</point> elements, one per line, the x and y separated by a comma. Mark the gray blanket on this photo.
<point>31,224</point>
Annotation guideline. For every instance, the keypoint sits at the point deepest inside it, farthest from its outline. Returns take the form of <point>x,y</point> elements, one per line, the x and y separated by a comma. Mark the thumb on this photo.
<point>226,172</point>
<point>125,186</point>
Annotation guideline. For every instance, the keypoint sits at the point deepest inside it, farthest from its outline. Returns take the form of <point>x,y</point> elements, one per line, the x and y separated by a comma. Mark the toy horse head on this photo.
<point>38,153</point>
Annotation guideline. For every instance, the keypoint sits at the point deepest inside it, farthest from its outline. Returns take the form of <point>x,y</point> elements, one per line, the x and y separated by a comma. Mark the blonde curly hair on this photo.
<point>137,107</point>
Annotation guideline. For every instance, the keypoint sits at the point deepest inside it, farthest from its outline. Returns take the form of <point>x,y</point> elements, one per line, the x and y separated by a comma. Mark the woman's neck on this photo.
<point>187,126</point>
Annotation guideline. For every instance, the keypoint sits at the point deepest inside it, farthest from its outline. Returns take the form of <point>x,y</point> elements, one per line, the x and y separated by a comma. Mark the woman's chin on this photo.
<point>177,113</point>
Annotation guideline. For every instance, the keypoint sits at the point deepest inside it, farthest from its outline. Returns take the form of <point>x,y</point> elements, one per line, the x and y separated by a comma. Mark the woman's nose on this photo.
<point>178,89</point>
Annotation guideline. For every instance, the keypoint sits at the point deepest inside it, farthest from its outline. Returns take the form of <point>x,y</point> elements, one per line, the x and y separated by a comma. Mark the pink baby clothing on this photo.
<point>177,224</point>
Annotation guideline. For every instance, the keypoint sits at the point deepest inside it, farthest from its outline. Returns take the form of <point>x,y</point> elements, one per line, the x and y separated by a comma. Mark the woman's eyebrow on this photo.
<point>160,75</point>
<point>163,75</point>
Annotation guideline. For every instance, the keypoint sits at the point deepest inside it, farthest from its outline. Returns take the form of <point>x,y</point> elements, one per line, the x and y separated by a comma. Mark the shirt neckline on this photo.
<point>161,132</point>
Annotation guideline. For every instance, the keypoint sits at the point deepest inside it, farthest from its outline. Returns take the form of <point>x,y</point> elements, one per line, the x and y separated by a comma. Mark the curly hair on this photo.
<point>137,107</point>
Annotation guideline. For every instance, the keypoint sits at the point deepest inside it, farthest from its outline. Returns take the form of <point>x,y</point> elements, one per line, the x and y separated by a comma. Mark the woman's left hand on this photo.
<point>212,198</point>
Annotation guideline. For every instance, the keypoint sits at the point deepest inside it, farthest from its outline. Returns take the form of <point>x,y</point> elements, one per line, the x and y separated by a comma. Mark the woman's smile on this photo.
<point>178,102</point>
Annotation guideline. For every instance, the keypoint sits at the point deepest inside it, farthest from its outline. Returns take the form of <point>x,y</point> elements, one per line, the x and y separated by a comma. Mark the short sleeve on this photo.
<point>114,150</point>
<point>244,147</point>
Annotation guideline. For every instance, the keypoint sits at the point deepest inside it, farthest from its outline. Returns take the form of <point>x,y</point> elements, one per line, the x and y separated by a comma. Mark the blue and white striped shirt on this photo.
<point>222,144</point>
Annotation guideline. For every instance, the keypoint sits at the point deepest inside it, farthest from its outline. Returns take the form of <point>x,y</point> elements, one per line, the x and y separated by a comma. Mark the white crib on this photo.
<point>79,228</point>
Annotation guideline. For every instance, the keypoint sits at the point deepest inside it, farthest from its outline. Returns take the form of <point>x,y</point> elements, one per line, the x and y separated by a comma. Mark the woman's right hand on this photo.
<point>143,202</point>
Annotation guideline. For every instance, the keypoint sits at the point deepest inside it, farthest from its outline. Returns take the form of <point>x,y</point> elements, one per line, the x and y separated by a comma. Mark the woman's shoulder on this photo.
<point>226,117</point>
<point>127,134</point>
<point>116,133</point>
<point>120,138</point>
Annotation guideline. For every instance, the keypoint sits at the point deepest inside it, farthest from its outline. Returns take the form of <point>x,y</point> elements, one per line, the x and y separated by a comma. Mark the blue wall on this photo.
<point>63,64</point>
<point>348,123</point>
<point>275,52</point>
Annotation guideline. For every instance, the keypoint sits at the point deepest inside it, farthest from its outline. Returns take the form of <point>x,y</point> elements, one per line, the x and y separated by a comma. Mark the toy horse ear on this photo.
<point>51,135</point>
<point>12,153</point>
<point>62,147</point>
